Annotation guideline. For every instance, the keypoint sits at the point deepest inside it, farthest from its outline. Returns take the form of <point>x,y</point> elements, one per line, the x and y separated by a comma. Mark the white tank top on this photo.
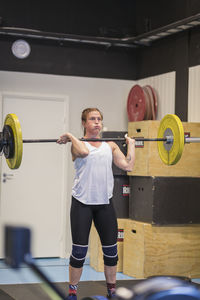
<point>93,182</point>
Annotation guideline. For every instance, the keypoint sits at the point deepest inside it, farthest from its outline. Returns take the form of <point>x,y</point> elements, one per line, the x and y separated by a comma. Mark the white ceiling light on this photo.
<point>21,49</point>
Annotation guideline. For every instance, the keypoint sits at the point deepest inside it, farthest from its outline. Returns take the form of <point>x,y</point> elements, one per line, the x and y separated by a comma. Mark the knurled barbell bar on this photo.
<point>170,140</point>
<point>100,140</point>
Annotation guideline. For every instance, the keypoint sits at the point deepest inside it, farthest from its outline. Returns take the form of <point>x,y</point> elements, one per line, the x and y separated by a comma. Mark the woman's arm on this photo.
<point>78,148</point>
<point>123,162</point>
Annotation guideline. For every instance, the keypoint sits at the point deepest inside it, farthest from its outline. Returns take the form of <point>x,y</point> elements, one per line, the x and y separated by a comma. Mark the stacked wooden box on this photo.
<point>161,236</point>
<point>148,162</point>
<point>162,230</point>
<point>151,250</point>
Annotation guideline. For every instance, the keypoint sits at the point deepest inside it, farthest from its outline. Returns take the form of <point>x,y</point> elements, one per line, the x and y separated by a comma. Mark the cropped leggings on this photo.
<point>105,221</point>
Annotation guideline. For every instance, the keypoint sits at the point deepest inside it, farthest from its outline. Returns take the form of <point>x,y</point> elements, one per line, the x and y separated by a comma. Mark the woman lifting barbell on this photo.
<point>92,197</point>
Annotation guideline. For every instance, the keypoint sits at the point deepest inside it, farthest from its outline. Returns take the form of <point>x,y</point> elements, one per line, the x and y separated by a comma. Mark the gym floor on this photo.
<point>57,271</point>
<point>55,268</point>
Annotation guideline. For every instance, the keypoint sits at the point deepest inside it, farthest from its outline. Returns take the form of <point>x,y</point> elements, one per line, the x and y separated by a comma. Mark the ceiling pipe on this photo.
<point>60,37</point>
<point>172,28</point>
<point>128,42</point>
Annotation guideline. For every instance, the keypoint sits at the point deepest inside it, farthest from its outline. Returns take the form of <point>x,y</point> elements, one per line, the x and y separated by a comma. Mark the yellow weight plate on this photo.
<point>13,121</point>
<point>171,123</point>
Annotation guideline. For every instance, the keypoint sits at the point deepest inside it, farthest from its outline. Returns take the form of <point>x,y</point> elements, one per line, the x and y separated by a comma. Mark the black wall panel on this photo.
<point>70,59</point>
<point>194,47</point>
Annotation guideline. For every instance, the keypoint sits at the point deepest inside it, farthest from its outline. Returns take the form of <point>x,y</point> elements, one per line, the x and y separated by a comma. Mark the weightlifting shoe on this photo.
<point>71,297</point>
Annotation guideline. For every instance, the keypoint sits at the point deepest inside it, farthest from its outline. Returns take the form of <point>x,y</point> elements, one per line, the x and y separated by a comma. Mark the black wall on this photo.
<point>69,59</point>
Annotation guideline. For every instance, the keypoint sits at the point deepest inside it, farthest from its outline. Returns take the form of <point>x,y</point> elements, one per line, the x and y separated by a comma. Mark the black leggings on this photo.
<point>104,219</point>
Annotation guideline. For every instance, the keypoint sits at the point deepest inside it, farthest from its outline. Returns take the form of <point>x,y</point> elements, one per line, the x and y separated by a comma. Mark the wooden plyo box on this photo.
<point>151,250</point>
<point>95,250</point>
<point>148,161</point>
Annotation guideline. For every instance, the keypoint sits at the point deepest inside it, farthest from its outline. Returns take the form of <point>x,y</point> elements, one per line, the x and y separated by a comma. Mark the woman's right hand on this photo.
<point>65,138</point>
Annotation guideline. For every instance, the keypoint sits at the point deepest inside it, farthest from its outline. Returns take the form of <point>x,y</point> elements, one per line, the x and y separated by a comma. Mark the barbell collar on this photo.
<point>169,139</point>
<point>189,140</point>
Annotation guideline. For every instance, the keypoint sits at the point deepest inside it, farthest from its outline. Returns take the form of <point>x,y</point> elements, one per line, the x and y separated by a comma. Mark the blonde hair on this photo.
<point>85,113</point>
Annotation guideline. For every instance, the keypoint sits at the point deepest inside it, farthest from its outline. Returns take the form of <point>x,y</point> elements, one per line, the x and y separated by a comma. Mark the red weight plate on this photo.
<point>148,114</point>
<point>136,104</point>
<point>155,98</point>
<point>151,101</point>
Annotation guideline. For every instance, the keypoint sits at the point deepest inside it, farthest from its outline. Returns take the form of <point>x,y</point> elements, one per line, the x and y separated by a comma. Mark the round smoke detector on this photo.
<point>21,49</point>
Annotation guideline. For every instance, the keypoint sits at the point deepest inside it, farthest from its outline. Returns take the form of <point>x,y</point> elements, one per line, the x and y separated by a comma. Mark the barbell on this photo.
<point>170,140</point>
